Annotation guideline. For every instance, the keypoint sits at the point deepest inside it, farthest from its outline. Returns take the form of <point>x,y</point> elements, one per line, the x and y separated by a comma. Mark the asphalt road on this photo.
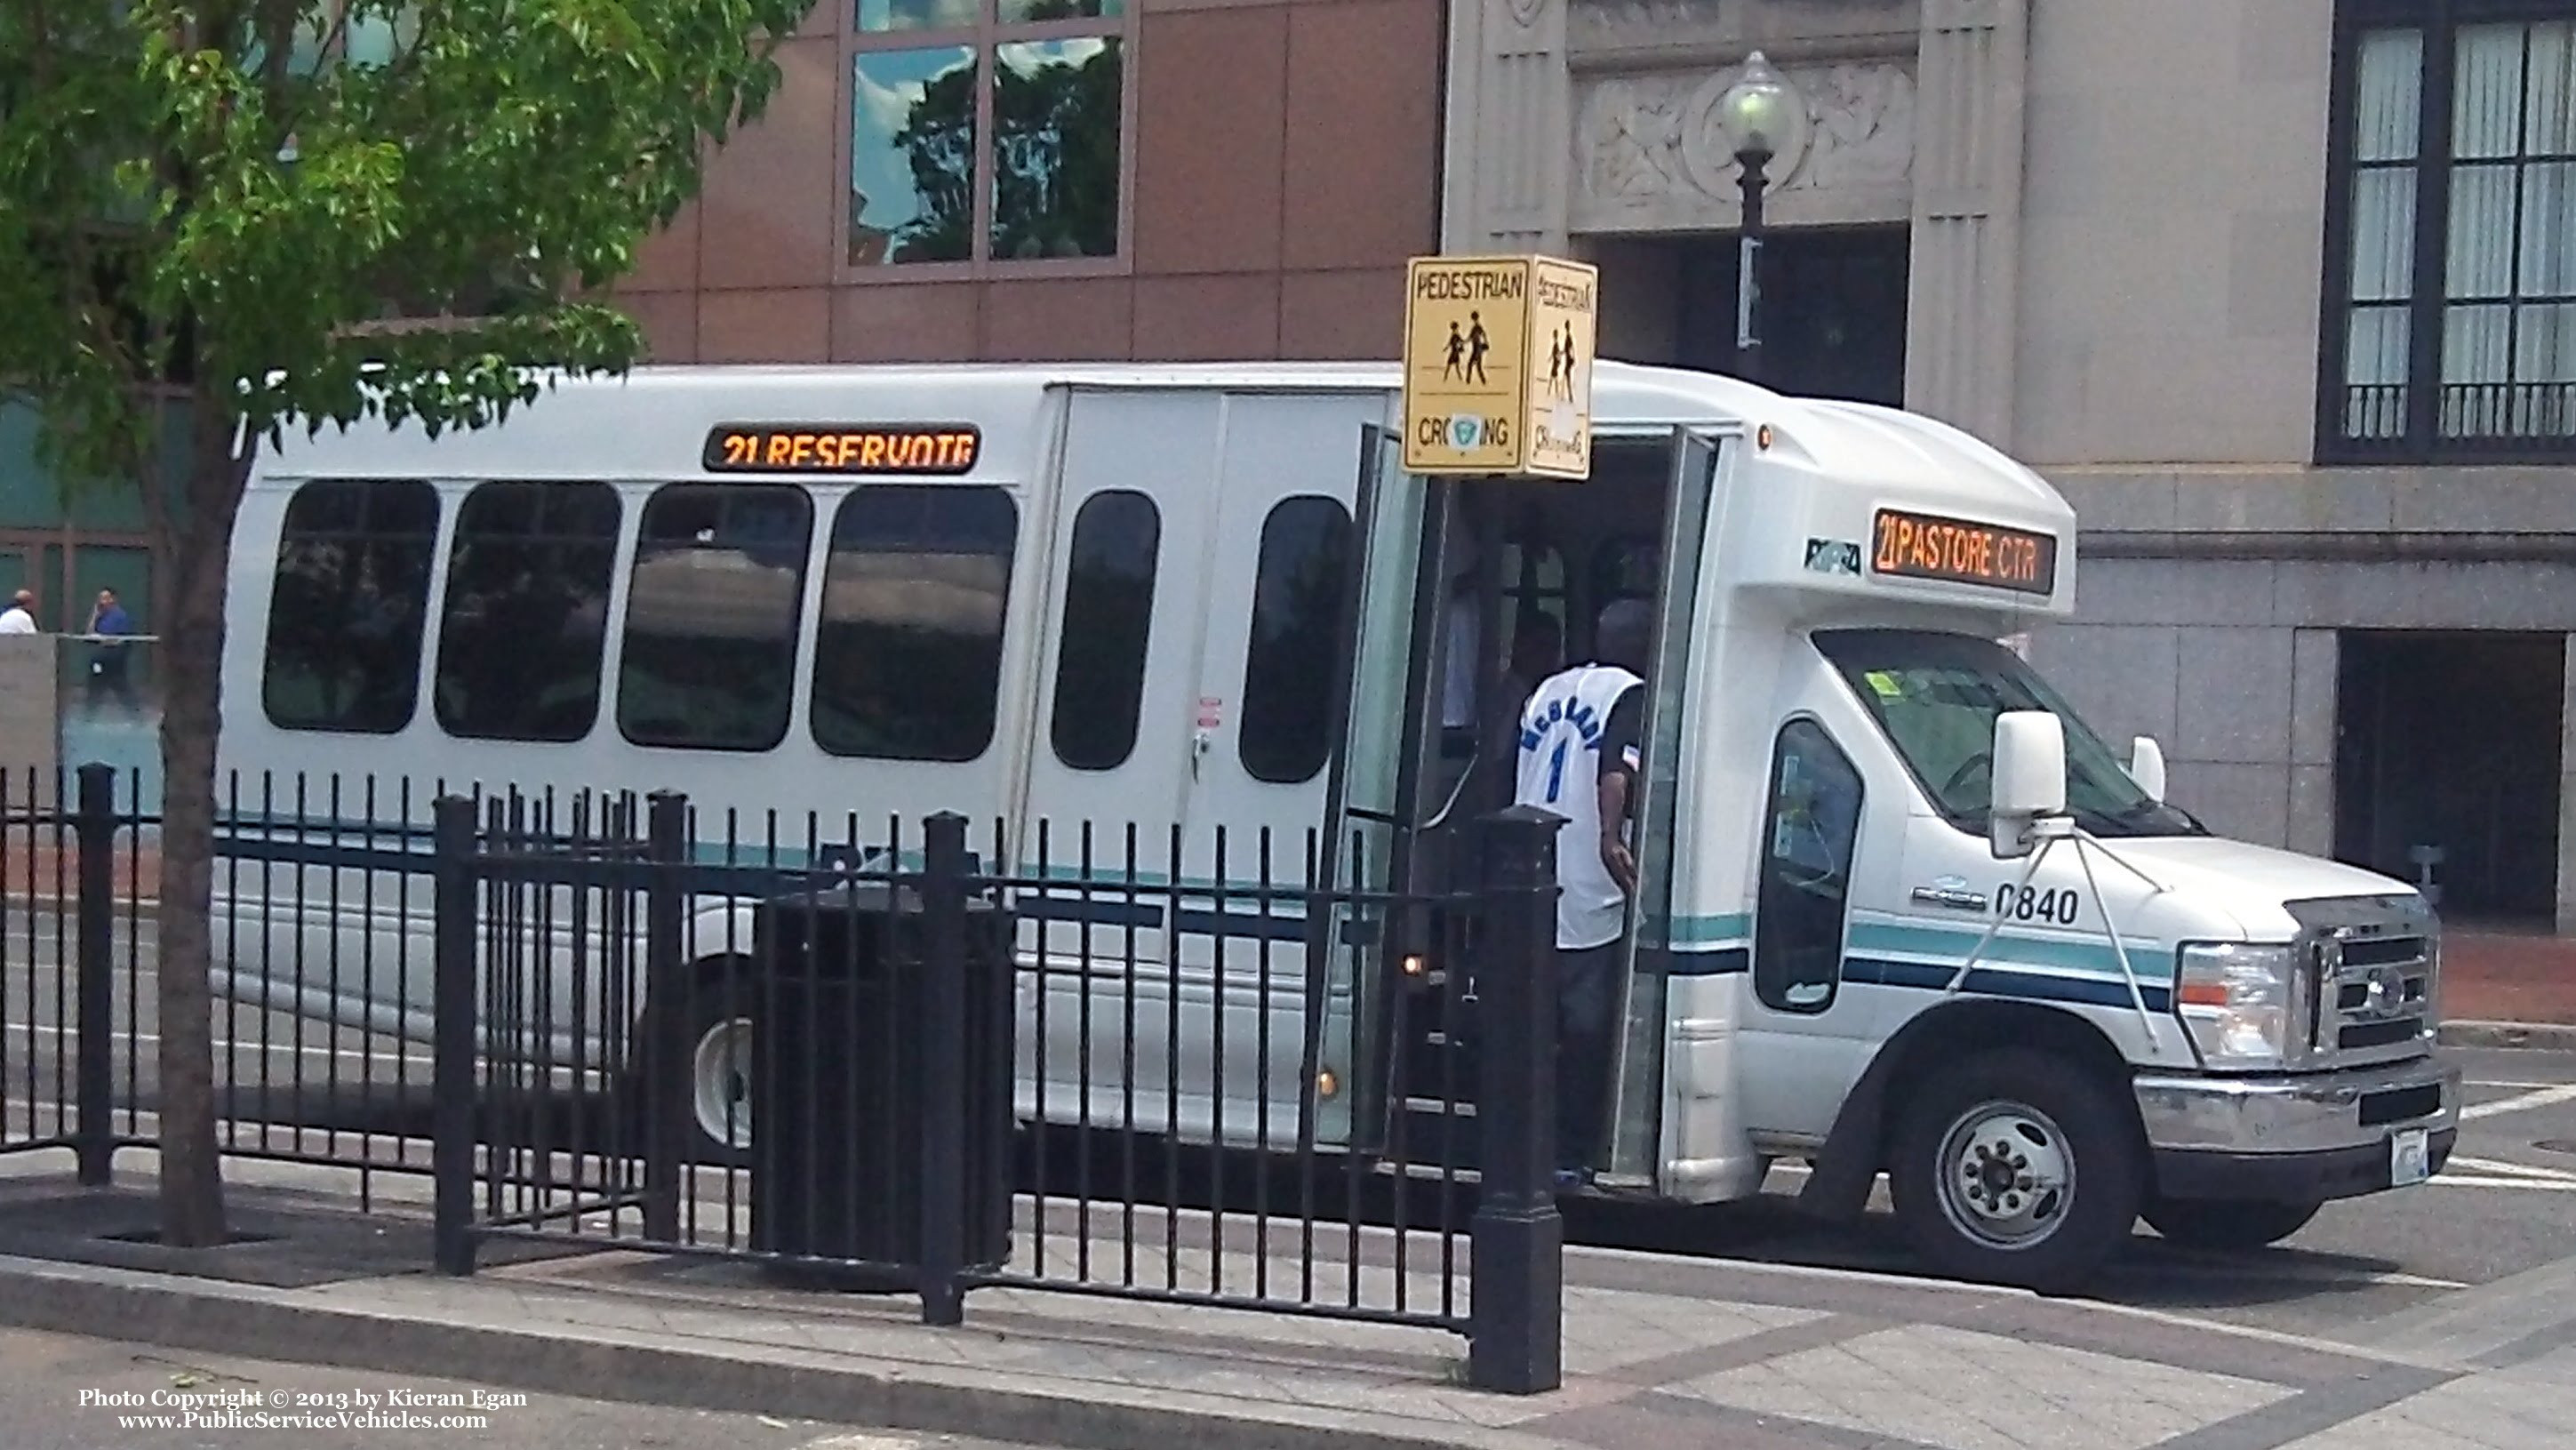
<point>59,1392</point>
<point>2506,1205</point>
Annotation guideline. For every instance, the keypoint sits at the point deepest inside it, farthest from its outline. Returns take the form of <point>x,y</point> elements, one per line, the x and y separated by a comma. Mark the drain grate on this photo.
<point>2557,1145</point>
<point>235,1239</point>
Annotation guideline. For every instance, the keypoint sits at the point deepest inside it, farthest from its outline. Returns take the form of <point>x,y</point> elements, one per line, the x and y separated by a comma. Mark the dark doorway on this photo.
<point>2450,742</point>
<point>1833,311</point>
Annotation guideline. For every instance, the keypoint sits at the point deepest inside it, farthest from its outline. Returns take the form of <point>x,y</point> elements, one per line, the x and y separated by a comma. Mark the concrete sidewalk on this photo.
<point>1659,1350</point>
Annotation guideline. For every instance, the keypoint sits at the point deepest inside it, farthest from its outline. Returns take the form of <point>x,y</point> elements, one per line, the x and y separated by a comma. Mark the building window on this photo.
<point>986,132</point>
<point>344,621</point>
<point>526,612</point>
<point>2455,234</point>
<point>1108,623</point>
<point>711,616</point>
<point>908,658</point>
<point>1296,640</point>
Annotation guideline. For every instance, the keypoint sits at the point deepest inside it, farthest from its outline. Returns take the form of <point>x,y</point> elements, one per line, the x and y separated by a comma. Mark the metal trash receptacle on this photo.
<point>838,996</point>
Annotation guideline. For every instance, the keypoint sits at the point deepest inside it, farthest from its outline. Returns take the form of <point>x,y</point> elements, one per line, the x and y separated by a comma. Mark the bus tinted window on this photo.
<point>344,623</point>
<point>1288,668</point>
<point>709,659</point>
<point>908,658</point>
<point>526,611</point>
<point>1108,621</point>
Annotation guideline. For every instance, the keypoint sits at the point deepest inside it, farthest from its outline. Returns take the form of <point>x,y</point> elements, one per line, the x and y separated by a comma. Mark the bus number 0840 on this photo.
<point>2021,903</point>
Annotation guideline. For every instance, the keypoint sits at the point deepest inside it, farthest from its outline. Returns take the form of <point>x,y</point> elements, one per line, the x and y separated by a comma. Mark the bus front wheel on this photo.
<point>2016,1167</point>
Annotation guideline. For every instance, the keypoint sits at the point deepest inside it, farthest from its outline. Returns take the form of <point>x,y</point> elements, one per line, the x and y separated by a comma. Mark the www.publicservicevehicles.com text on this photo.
<point>255,1409</point>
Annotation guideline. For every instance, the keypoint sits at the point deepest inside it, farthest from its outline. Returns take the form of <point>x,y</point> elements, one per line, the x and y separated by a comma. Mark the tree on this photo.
<point>223,218</point>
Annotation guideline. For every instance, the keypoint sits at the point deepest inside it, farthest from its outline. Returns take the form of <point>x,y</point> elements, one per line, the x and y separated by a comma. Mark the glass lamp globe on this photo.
<point>1757,111</point>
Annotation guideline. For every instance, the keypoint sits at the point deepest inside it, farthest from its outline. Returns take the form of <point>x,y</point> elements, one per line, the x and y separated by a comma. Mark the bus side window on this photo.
<point>344,622</point>
<point>1808,838</point>
<point>1288,664</point>
<point>526,612</point>
<point>908,657</point>
<point>712,616</point>
<point>1108,625</point>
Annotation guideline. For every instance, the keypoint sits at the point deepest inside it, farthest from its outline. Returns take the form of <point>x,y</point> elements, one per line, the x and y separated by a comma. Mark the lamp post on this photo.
<point>1758,112</point>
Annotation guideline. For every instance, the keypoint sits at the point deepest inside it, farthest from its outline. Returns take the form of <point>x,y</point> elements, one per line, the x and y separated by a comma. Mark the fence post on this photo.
<point>452,1034</point>
<point>670,1105</point>
<point>943,1069</point>
<point>1517,1250</point>
<point>95,1048</point>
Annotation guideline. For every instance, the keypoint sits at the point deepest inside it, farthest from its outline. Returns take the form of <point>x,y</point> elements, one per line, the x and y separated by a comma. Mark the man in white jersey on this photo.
<point>1578,757</point>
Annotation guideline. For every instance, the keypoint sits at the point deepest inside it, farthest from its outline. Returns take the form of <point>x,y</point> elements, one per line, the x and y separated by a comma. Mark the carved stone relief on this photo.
<point>1652,143</point>
<point>1630,22</point>
<point>1525,12</point>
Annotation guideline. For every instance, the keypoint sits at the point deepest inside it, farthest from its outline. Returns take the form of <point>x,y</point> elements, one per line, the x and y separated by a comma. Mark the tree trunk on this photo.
<point>192,1187</point>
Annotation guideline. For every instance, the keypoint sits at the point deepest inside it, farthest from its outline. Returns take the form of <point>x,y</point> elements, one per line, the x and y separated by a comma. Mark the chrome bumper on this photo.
<point>2313,1113</point>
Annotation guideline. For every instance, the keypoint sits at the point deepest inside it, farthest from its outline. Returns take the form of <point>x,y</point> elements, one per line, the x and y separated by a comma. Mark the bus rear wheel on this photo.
<point>2016,1167</point>
<point>714,1065</point>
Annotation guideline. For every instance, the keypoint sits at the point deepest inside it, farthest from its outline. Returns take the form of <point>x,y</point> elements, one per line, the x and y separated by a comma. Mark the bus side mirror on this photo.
<point>2029,779</point>
<point>2147,767</point>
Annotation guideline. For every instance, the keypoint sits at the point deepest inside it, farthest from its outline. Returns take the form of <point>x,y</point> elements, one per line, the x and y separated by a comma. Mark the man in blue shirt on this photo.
<point>107,667</point>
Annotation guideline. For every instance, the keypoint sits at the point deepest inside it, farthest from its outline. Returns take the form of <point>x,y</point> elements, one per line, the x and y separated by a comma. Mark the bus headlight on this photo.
<point>2234,1000</point>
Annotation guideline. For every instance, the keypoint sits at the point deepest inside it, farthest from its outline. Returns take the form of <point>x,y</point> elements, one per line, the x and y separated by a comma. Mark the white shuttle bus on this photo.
<point>1900,911</point>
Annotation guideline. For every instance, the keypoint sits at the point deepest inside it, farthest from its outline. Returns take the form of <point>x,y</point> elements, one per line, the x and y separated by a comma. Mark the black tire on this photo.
<point>704,1011</point>
<point>2227,1223</point>
<point>2006,1224</point>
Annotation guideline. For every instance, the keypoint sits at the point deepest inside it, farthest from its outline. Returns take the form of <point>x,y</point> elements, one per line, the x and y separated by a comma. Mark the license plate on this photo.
<point>2410,1158</point>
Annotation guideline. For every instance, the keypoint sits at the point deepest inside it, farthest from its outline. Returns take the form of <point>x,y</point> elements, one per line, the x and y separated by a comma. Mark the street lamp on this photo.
<point>1758,112</point>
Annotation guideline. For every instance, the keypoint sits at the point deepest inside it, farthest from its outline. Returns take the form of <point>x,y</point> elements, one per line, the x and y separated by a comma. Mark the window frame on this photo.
<point>2439,22</point>
<point>1065,630</point>
<point>630,561</point>
<point>603,688</point>
<point>818,582</point>
<point>984,38</point>
<point>1336,647</point>
<point>1808,720</point>
<point>432,604</point>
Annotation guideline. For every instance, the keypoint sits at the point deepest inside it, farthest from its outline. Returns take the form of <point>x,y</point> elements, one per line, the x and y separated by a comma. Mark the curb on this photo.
<point>599,1362</point>
<point>2542,1036</point>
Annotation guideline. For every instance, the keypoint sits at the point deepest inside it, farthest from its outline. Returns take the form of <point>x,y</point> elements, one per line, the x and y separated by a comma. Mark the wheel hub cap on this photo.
<point>721,1083</point>
<point>2007,1177</point>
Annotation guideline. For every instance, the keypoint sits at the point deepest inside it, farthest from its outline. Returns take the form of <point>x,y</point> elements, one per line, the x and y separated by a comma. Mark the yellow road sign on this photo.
<point>1498,365</point>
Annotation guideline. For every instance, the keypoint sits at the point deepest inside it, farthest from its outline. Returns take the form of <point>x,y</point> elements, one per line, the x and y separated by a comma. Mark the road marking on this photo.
<point>2542,1098</point>
<point>861,1442</point>
<point>2492,1166</point>
<point>2467,1180</point>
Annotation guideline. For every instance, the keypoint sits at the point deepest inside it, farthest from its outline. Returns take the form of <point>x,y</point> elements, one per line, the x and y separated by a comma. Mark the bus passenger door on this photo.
<point>1298,511</point>
<point>1108,772</point>
<point>1661,842</point>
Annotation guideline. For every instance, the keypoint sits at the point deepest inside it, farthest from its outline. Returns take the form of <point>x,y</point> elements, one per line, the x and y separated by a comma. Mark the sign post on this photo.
<point>1498,358</point>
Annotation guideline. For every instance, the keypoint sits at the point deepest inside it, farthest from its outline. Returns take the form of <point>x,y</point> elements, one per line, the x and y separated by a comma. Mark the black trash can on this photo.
<point>838,994</point>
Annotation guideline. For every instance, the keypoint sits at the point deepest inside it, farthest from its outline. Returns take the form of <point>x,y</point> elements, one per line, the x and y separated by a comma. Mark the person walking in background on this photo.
<point>108,665</point>
<point>20,616</point>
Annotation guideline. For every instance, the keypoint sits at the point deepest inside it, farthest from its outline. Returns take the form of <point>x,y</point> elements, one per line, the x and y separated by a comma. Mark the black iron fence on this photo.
<point>909,1056</point>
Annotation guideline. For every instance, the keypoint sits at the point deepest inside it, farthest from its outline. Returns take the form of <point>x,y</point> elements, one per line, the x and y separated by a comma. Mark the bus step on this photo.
<point>1426,1172</point>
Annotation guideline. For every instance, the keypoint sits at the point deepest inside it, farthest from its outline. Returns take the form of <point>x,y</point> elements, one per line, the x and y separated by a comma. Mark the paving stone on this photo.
<point>2517,1412</point>
<point>1962,1390</point>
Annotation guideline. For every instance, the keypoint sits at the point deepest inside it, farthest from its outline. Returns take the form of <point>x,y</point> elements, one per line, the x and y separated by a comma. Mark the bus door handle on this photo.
<point>1200,741</point>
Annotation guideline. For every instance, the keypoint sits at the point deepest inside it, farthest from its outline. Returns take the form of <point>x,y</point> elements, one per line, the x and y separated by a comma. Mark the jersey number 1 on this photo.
<point>1556,771</point>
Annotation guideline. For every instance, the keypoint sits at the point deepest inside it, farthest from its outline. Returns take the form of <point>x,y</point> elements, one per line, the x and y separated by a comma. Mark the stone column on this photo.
<point>1509,119</point>
<point>1974,71</point>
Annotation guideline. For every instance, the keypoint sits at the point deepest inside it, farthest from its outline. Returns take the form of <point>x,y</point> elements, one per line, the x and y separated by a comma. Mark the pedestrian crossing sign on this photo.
<point>1498,366</point>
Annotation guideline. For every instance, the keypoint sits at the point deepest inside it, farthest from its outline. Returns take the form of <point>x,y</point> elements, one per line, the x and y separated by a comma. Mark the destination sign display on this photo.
<point>1926,546</point>
<point>941,448</point>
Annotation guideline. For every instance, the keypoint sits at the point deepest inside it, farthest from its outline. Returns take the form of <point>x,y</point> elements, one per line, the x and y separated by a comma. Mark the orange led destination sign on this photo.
<point>842,448</point>
<point>1926,546</point>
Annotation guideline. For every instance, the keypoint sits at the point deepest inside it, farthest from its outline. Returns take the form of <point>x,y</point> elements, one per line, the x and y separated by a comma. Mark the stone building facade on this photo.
<point>961,180</point>
<point>2282,295</point>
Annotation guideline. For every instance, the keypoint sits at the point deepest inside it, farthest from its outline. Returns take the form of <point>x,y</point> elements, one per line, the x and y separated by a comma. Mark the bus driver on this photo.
<point>1579,751</point>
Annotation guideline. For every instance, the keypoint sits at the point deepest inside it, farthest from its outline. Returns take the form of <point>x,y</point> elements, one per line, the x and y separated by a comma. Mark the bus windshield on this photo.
<point>1937,695</point>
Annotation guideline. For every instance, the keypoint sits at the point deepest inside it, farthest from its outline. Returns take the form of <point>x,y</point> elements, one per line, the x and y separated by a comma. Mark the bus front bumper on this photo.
<point>2300,1137</point>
